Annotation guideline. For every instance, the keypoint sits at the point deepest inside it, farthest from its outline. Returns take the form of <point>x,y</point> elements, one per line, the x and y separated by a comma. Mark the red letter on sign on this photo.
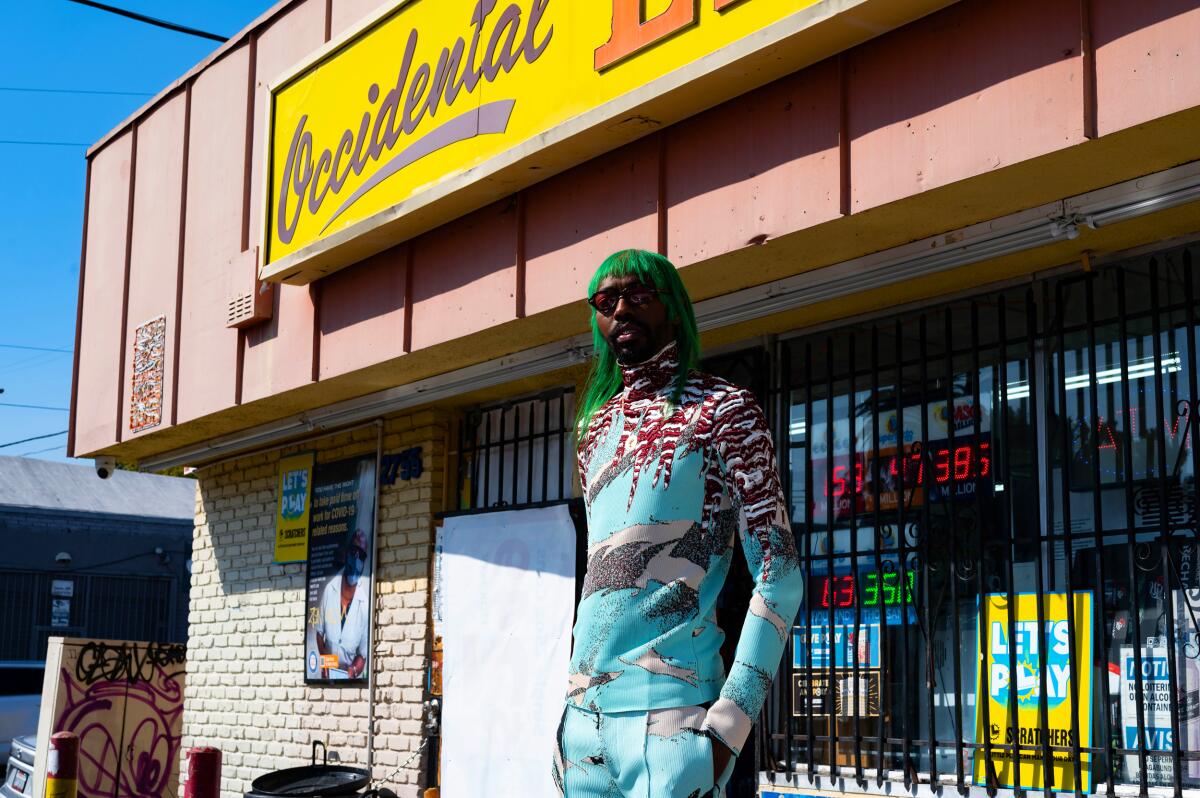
<point>630,34</point>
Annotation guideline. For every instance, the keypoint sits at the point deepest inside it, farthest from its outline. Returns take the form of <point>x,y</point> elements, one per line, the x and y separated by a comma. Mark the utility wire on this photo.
<point>35,90</point>
<point>36,407</point>
<point>21,143</point>
<point>41,451</point>
<point>36,348</point>
<point>161,23</point>
<point>36,438</point>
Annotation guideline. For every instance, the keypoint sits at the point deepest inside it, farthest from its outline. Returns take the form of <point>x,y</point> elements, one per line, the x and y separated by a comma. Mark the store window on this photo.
<point>519,453</point>
<point>995,505</point>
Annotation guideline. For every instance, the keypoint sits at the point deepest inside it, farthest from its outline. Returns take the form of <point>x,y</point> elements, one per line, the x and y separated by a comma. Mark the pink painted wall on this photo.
<point>154,254</point>
<point>464,276</point>
<point>279,355</point>
<point>975,87</point>
<point>348,13</point>
<point>755,168</point>
<point>574,220</point>
<point>208,356</point>
<point>1148,50</point>
<point>362,313</point>
<point>103,290</point>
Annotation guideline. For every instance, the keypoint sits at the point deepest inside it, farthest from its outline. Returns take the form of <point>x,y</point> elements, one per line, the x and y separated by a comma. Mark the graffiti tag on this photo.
<point>129,662</point>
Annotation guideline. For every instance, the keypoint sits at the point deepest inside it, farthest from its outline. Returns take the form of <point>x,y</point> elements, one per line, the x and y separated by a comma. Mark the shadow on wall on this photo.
<point>239,511</point>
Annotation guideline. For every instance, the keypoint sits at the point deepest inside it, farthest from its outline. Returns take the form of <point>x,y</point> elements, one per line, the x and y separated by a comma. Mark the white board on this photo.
<point>506,585</point>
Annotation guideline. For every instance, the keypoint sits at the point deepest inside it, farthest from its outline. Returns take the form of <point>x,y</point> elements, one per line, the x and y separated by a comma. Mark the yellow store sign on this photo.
<point>405,115</point>
<point>1034,662</point>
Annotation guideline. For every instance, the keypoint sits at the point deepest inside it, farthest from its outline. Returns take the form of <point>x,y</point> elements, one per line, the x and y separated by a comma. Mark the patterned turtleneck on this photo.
<point>667,487</point>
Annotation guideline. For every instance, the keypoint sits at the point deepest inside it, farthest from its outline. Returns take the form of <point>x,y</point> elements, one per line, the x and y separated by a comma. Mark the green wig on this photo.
<point>604,376</point>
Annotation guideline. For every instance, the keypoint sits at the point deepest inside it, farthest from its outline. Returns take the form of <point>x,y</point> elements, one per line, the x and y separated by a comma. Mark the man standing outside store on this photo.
<point>675,466</point>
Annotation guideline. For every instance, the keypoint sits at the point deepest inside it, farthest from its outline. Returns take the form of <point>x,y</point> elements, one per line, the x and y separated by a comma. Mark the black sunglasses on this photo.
<point>605,302</point>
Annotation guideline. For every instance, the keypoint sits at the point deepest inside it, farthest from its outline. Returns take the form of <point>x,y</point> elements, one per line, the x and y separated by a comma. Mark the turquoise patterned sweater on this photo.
<point>668,489</point>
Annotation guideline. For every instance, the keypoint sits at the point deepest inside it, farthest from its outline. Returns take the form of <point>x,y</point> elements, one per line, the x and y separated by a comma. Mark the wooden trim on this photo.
<point>314,295</point>
<point>844,163</point>
<point>87,204</point>
<point>247,176</point>
<point>1087,52</point>
<point>328,20</point>
<point>183,195</point>
<point>519,293</point>
<point>406,342</point>
<point>120,427</point>
<point>662,194</point>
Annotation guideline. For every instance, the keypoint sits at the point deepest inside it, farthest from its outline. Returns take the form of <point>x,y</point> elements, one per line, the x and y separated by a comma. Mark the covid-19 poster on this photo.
<point>338,586</point>
<point>1047,652</point>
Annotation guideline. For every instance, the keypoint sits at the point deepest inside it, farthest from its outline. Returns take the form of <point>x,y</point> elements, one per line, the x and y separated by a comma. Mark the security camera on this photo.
<point>105,466</point>
<point>63,558</point>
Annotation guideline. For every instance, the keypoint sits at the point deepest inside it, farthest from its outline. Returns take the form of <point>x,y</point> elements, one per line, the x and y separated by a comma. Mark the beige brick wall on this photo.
<point>245,689</point>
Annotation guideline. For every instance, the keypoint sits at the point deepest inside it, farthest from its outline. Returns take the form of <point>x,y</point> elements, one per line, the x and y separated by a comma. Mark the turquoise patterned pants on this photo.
<point>657,754</point>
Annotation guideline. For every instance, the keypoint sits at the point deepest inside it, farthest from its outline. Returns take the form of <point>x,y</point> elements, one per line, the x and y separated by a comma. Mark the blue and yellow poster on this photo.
<point>1011,635</point>
<point>292,508</point>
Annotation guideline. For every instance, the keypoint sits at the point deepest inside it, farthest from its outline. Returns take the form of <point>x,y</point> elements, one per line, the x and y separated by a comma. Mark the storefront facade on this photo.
<point>950,246</point>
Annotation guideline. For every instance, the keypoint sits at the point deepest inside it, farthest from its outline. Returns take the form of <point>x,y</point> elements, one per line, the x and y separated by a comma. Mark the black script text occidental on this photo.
<point>309,178</point>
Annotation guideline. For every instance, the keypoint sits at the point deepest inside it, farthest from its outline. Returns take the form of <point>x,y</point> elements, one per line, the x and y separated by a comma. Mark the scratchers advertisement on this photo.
<point>338,586</point>
<point>292,508</point>
<point>1048,655</point>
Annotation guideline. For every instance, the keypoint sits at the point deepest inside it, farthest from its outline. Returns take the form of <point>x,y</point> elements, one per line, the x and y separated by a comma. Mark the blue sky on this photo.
<point>56,44</point>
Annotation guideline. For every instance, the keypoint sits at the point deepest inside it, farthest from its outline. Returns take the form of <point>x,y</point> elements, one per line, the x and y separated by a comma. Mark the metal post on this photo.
<point>204,773</point>
<point>62,763</point>
<point>374,614</point>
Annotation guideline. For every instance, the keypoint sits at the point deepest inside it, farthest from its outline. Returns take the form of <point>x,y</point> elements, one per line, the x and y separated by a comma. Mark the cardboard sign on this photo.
<point>293,492</point>
<point>1028,646</point>
<point>848,695</point>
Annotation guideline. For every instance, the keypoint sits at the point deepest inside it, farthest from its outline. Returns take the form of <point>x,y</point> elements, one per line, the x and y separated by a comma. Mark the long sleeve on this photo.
<point>744,445</point>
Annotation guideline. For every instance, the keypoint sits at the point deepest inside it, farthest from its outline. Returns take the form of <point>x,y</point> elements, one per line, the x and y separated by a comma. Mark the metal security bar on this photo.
<point>994,503</point>
<point>106,607</point>
<point>517,454</point>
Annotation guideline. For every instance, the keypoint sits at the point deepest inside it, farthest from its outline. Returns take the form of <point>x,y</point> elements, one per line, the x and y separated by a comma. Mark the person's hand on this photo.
<point>721,756</point>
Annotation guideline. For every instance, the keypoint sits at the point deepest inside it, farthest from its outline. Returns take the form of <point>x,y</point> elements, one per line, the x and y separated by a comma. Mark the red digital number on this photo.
<point>941,466</point>
<point>838,592</point>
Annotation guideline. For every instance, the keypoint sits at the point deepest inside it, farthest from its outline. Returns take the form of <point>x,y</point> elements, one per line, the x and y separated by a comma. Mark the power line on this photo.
<point>36,407</point>
<point>161,23</point>
<point>35,438</point>
<point>37,90</point>
<point>41,451</point>
<point>36,348</point>
<point>43,143</point>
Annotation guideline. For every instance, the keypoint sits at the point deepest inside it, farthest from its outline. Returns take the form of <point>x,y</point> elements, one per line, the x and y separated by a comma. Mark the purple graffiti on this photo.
<point>129,730</point>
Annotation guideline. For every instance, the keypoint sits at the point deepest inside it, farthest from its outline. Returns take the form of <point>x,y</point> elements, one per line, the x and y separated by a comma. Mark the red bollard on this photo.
<point>204,773</point>
<point>62,766</point>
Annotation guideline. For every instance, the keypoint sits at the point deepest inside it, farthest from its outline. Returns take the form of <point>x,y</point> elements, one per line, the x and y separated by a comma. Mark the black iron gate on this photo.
<point>38,605</point>
<point>995,505</point>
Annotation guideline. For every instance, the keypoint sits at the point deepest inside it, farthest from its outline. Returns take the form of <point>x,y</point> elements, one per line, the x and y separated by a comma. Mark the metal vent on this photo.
<point>241,309</point>
<point>251,299</point>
